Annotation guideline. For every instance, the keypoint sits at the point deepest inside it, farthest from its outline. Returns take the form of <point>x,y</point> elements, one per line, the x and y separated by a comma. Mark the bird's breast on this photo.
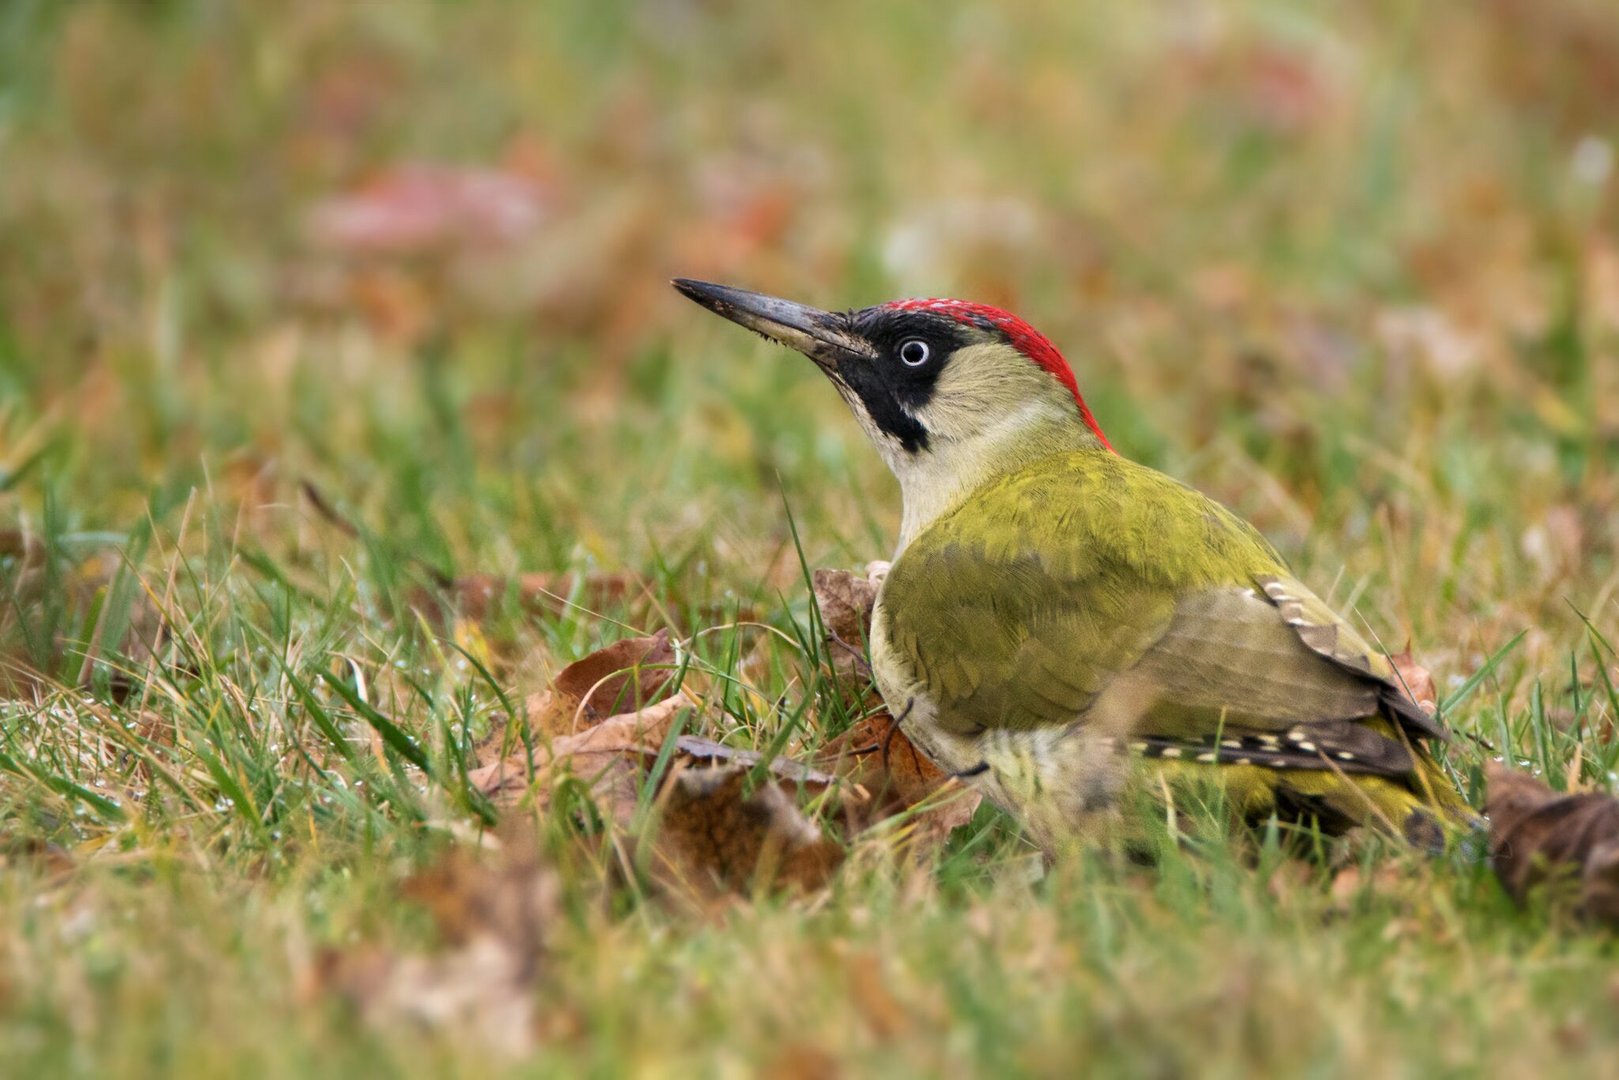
<point>908,696</point>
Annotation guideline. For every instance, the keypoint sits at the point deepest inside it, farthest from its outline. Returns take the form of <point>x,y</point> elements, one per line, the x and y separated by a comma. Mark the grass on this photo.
<point>1351,271</point>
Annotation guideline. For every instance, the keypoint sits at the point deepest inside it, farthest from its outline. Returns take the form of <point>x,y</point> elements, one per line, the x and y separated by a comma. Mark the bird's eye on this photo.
<point>915,352</point>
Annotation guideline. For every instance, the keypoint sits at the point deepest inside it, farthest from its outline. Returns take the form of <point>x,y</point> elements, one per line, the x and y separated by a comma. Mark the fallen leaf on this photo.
<point>845,600</point>
<point>1539,837</point>
<point>876,753</point>
<point>1415,680</point>
<point>896,777</point>
<point>601,680</point>
<point>610,757</point>
<point>709,835</point>
<point>713,833</point>
<point>707,752</point>
<point>621,678</point>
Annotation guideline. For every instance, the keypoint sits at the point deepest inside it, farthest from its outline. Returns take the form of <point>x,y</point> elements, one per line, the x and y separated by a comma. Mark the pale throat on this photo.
<point>935,481</point>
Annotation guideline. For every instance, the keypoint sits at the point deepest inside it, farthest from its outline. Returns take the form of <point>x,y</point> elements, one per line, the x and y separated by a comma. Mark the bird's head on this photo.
<point>952,393</point>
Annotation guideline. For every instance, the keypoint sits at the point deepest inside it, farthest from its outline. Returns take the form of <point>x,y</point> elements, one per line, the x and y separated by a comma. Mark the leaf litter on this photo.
<point>1562,845</point>
<point>718,818</point>
<point>722,814</point>
<point>713,830</point>
<point>720,821</point>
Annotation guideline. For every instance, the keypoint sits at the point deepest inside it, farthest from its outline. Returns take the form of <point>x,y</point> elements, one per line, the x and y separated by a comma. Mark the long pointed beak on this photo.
<point>820,335</point>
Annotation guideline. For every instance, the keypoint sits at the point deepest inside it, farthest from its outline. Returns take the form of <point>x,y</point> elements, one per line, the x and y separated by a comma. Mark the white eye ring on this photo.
<point>914,353</point>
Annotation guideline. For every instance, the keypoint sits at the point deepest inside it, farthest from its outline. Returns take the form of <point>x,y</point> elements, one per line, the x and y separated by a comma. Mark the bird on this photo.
<point>1066,628</point>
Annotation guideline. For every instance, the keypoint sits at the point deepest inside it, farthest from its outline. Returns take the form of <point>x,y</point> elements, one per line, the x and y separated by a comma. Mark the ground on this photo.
<point>312,313</point>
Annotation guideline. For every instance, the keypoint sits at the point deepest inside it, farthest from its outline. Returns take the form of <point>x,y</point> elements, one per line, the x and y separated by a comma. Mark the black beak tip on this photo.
<point>815,333</point>
<point>705,293</point>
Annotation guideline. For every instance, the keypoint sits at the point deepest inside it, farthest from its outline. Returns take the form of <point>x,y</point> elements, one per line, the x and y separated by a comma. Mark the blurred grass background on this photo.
<point>1351,269</point>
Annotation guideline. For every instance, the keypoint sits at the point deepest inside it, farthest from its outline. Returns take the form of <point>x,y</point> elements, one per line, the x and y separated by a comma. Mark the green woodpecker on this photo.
<point>1060,622</point>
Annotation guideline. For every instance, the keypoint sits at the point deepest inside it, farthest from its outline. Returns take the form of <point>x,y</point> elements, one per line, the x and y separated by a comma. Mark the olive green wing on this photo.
<point>1270,675</point>
<point>1326,634</point>
<point>1109,592</point>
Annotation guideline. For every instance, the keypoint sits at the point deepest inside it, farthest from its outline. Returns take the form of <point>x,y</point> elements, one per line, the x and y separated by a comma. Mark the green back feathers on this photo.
<point>1086,589</point>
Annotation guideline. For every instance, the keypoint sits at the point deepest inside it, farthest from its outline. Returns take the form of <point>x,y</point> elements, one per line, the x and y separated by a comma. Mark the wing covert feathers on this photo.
<point>1328,635</point>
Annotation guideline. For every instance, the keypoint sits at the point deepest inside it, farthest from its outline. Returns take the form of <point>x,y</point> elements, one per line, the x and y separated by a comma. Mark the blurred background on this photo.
<point>1353,269</point>
<point>337,346</point>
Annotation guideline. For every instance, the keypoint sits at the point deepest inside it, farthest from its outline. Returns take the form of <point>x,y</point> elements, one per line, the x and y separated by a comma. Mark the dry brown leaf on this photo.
<point>493,912</point>
<point>709,835</point>
<point>879,757</point>
<point>1415,680</point>
<point>896,777</point>
<point>707,752</point>
<point>713,834</point>
<point>625,676</point>
<point>845,600</point>
<point>1540,837</point>
<point>610,757</point>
